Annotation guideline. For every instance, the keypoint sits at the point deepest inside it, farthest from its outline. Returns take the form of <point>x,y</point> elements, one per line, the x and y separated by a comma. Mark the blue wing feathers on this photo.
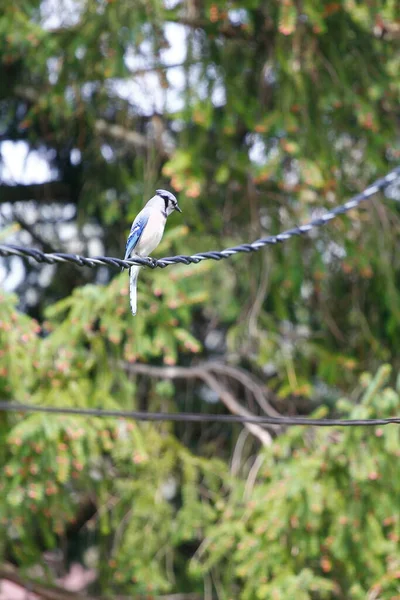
<point>136,231</point>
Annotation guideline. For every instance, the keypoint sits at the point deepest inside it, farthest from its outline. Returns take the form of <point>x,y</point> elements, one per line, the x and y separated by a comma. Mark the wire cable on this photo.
<point>193,417</point>
<point>118,263</point>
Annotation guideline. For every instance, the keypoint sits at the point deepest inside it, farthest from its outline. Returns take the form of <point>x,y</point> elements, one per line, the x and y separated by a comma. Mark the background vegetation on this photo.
<point>258,115</point>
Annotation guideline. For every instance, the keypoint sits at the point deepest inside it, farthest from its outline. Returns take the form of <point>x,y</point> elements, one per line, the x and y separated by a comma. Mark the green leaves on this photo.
<point>311,174</point>
<point>311,512</point>
<point>279,110</point>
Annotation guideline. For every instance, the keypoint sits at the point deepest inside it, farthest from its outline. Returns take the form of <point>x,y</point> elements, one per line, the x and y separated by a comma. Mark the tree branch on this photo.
<point>204,374</point>
<point>224,28</point>
<point>45,245</point>
<point>128,136</point>
<point>101,126</point>
<point>54,592</point>
<point>248,381</point>
<point>45,591</point>
<point>237,409</point>
<point>161,67</point>
<point>53,191</point>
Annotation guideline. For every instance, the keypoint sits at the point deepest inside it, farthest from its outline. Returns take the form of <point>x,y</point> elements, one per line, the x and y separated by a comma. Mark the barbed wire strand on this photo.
<point>82,261</point>
<point>193,417</point>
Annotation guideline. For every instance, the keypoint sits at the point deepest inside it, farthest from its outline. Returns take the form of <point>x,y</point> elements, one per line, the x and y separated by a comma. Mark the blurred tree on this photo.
<point>258,115</point>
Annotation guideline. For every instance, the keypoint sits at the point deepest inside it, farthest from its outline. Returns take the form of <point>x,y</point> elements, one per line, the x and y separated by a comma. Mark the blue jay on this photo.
<point>146,233</point>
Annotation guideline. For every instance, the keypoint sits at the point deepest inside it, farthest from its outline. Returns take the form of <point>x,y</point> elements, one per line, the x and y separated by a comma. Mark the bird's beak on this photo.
<point>177,208</point>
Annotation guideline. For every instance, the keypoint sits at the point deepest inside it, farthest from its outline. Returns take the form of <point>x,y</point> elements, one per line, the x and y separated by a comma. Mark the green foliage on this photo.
<point>145,483</point>
<point>281,109</point>
<point>321,517</point>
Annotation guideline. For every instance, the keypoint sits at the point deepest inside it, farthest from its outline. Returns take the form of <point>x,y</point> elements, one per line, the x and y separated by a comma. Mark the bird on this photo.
<point>146,233</point>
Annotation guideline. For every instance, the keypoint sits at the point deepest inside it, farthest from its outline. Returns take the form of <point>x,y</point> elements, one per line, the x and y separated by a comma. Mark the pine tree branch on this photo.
<point>102,127</point>
<point>54,592</point>
<point>203,373</point>
<point>52,191</point>
<point>161,67</point>
<point>45,245</point>
<point>45,591</point>
<point>224,27</point>
<point>248,381</point>
<point>127,136</point>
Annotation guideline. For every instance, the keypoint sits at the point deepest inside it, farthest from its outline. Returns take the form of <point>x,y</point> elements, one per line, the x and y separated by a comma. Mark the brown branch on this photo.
<point>237,409</point>
<point>102,127</point>
<point>204,374</point>
<point>161,67</point>
<point>45,245</point>
<point>248,381</point>
<point>183,596</point>
<point>119,133</point>
<point>45,591</point>
<point>224,28</point>
<point>53,191</point>
<point>127,136</point>
<point>54,592</point>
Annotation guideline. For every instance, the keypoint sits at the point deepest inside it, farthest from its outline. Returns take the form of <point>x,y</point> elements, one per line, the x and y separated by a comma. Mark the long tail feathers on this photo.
<point>133,276</point>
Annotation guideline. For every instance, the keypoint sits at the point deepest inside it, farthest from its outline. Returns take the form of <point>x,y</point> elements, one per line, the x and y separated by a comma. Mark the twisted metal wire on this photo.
<point>82,261</point>
<point>194,417</point>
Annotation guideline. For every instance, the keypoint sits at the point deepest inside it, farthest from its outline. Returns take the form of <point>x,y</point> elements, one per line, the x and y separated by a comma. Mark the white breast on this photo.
<point>151,235</point>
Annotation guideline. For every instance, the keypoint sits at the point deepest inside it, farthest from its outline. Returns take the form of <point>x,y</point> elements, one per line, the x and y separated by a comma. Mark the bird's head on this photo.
<point>170,202</point>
